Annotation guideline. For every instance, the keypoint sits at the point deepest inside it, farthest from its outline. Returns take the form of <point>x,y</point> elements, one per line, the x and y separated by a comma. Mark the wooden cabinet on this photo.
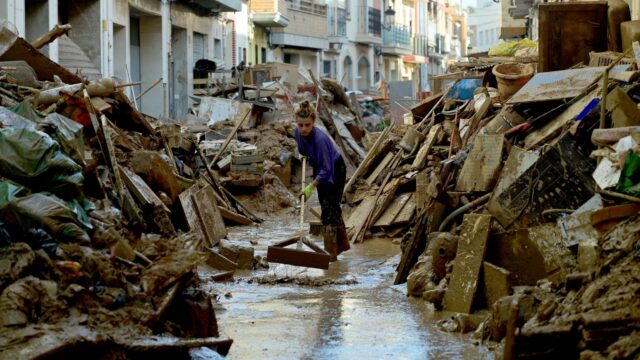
<point>567,32</point>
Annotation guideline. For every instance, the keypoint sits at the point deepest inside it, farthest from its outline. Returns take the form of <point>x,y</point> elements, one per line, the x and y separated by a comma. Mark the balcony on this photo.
<point>420,45</point>
<point>210,7</point>
<point>396,40</point>
<point>369,25</point>
<point>269,13</point>
<point>337,24</point>
<point>307,26</point>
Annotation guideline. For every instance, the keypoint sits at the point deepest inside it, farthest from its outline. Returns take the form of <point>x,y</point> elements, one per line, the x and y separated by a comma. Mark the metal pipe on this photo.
<point>479,201</point>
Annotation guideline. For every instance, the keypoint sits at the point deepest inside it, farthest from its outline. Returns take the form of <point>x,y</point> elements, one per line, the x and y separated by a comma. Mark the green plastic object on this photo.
<point>629,182</point>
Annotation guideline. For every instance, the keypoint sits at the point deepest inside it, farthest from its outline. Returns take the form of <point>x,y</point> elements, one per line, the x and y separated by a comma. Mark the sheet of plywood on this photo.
<point>383,165</point>
<point>392,211</point>
<point>469,259</point>
<point>482,167</point>
<point>210,218</point>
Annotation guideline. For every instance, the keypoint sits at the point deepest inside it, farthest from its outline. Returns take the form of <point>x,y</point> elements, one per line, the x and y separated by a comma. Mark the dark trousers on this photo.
<point>330,195</point>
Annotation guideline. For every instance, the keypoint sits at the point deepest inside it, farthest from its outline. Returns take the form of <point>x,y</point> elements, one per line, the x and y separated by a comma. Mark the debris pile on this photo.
<point>519,196</point>
<point>104,219</point>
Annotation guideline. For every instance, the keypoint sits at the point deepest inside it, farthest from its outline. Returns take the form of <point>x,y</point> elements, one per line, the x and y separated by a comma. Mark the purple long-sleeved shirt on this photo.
<point>321,151</point>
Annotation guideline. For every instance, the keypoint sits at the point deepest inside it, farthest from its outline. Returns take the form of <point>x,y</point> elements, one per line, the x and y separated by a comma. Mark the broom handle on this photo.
<point>304,168</point>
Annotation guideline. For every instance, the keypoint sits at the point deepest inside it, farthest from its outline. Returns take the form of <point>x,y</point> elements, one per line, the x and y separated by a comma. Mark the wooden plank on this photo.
<point>100,105</point>
<point>371,156</point>
<point>407,212</point>
<point>381,167</point>
<point>421,197</point>
<point>497,283</point>
<point>392,211</point>
<point>361,212</point>
<point>384,200</point>
<point>432,137</point>
<point>141,190</point>
<point>469,258</point>
<point>190,213</point>
<point>213,227</point>
<point>482,167</point>
<point>233,217</point>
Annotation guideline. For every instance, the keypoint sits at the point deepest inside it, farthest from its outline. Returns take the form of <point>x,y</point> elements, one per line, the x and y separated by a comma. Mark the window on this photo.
<point>287,58</point>
<point>217,48</point>
<point>326,68</point>
<point>264,55</point>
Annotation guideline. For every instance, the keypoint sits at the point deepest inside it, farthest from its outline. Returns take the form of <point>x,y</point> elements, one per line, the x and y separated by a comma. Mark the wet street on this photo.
<point>284,312</point>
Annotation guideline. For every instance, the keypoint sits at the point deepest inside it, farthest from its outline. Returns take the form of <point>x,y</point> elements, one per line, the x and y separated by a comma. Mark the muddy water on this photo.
<point>366,319</point>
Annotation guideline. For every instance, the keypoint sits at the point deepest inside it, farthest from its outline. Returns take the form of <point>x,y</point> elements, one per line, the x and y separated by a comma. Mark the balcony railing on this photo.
<point>397,35</point>
<point>308,7</point>
<point>337,21</point>
<point>369,21</point>
<point>420,45</point>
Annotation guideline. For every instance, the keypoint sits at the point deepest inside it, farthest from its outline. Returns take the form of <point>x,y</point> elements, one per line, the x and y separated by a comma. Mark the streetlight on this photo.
<point>388,18</point>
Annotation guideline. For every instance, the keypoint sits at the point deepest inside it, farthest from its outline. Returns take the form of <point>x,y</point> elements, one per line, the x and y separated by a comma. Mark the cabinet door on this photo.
<point>569,31</point>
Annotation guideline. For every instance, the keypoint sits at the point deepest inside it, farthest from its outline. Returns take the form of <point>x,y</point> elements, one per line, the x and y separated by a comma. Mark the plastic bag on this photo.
<point>509,48</point>
<point>629,182</point>
<point>26,110</point>
<point>68,133</point>
<point>10,119</point>
<point>34,159</point>
<point>47,212</point>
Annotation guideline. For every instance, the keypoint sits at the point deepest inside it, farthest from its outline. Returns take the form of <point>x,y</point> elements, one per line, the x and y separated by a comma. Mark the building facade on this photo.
<point>484,25</point>
<point>351,41</point>
<point>137,40</point>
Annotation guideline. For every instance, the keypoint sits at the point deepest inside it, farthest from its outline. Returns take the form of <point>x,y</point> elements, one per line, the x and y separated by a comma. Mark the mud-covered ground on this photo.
<point>351,311</point>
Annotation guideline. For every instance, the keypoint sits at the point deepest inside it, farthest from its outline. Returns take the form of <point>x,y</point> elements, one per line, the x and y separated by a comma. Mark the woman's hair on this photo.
<point>306,111</point>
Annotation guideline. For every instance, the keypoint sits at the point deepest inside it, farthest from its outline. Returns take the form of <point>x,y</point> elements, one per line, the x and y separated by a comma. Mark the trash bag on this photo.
<point>8,190</point>
<point>68,133</point>
<point>34,159</point>
<point>26,110</point>
<point>509,48</point>
<point>47,212</point>
<point>10,119</point>
<point>463,89</point>
<point>629,182</point>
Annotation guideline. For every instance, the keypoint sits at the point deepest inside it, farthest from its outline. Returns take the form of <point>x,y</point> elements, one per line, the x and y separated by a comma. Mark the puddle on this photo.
<point>365,319</point>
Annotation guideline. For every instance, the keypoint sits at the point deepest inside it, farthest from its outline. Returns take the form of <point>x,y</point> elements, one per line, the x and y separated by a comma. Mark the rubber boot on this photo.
<point>343,239</point>
<point>330,235</point>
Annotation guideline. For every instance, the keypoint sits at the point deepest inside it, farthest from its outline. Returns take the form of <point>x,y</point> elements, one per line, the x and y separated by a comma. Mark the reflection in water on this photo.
<point>368,320</point>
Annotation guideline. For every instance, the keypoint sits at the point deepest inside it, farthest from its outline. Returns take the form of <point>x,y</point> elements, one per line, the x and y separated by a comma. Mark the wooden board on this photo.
<point>563,41</point>
<point>233,217</point>
<point>141,190</point>
<point>407,211</point>
<point>422,182</point>
<point>381,166</point>
<point>360,213</point>
<point>397,204</point>
<point>432,137</point>
<point>482,167</point>
<point>553,127</point>
<point>210,218</point>
<point>496,283</point>
<point>469,259</point>
<point>190,213</point>
<point>385,199</point>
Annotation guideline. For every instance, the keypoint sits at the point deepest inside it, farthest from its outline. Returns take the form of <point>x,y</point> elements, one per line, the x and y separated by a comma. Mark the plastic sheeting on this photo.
<point>34,159</point>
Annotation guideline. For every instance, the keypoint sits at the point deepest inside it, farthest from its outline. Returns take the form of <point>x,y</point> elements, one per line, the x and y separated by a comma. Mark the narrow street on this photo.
<point>351,311</point>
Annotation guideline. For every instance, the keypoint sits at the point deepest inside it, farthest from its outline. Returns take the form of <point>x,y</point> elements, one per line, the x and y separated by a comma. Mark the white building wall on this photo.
<point>485,22</point>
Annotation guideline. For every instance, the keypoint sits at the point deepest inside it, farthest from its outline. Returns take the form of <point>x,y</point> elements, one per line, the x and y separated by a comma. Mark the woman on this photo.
<point>329,172</point>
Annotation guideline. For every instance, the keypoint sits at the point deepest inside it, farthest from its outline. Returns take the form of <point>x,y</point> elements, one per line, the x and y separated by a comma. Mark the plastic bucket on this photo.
<point>511,77</point>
